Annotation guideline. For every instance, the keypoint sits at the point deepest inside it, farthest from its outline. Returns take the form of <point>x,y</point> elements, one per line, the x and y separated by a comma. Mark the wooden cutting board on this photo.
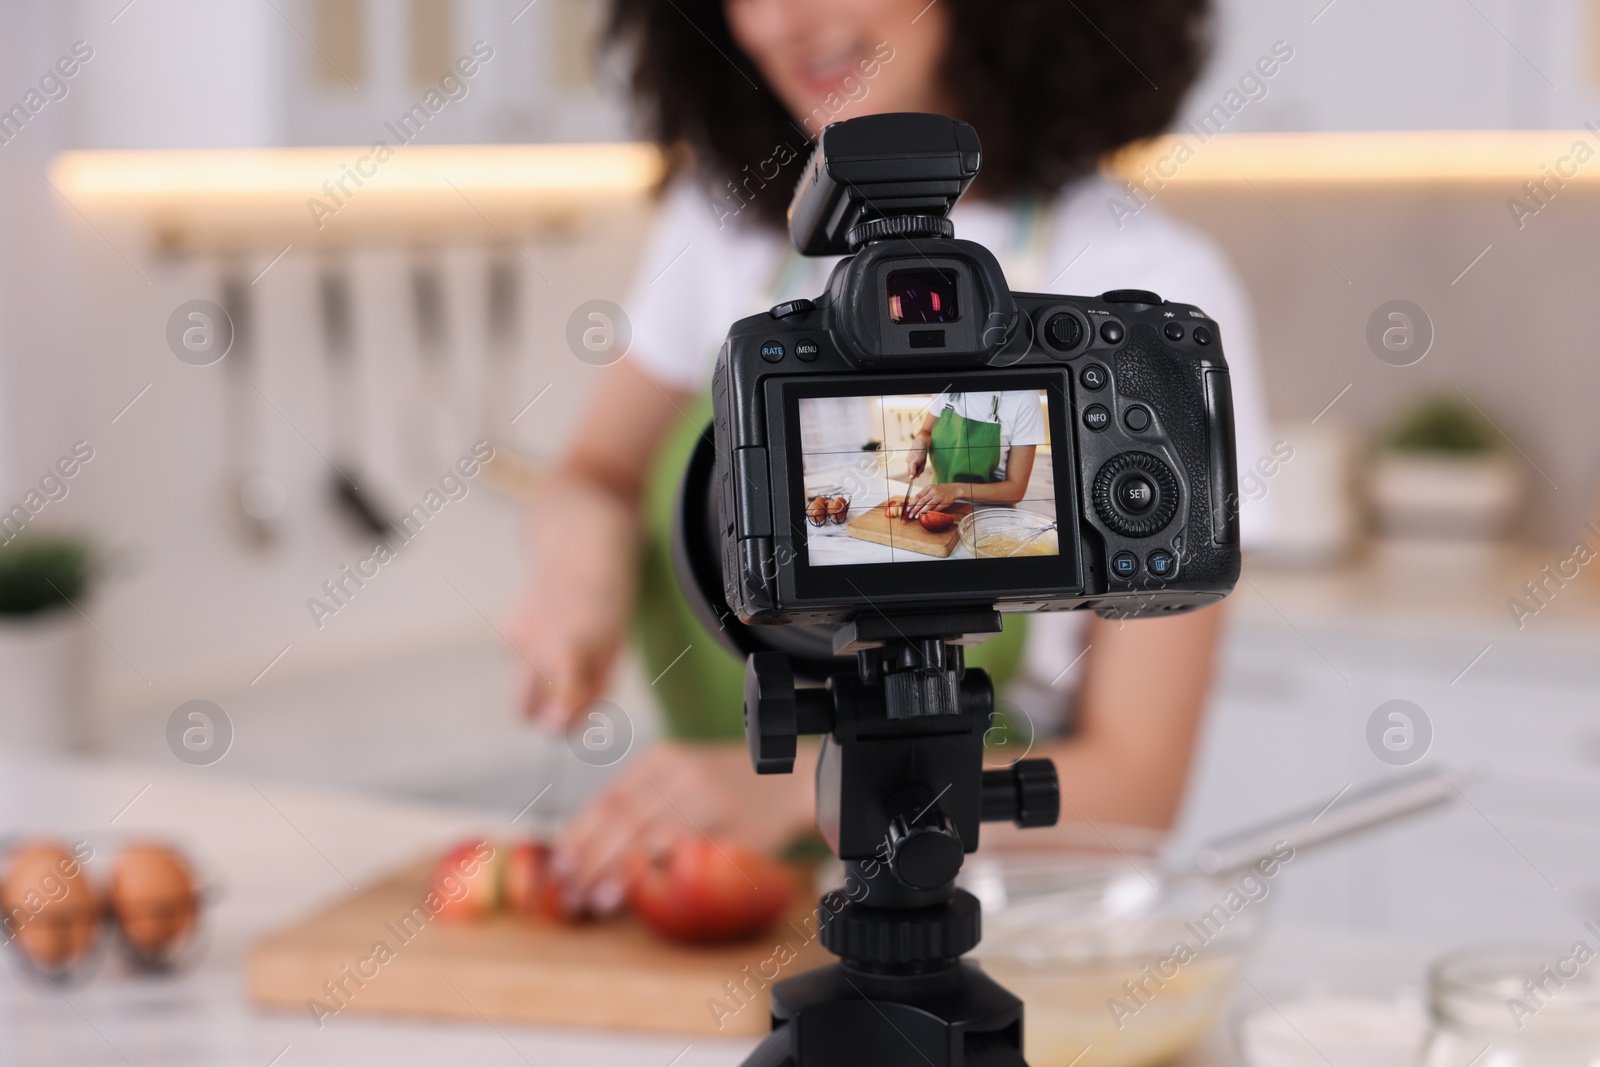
<point>878,528</point>
<point>612,975</point>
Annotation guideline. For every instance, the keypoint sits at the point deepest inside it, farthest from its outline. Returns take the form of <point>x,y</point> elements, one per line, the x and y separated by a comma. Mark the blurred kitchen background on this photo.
<point>1438,455</point>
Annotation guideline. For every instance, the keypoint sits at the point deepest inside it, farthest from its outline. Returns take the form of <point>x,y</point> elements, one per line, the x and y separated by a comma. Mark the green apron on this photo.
<point>699,684</point>
<point>963,449</point>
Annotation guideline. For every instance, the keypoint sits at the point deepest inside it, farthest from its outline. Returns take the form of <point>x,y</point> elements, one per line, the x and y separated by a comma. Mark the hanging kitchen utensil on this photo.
<point>255,499</point>
<point>428,416</point>
<point>511,471</point>
<point>504,291</point>
<point>352,499</point>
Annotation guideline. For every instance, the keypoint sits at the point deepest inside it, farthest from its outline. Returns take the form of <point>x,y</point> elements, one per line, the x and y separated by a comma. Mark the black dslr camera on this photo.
<point>1131,417</point>
<point>891,467</point>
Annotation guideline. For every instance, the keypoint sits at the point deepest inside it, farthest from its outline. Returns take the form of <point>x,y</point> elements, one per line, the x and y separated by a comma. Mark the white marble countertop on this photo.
<point>276,850</point>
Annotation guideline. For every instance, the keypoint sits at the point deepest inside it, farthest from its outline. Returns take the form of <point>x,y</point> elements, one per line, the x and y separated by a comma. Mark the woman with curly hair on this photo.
<point>734,91</point>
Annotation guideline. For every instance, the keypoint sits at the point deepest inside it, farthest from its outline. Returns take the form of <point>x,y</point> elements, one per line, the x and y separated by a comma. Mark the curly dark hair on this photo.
<point>1051,87</point>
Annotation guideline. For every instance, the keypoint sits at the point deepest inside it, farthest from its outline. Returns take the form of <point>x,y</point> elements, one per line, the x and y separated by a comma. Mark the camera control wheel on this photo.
<point>1135,494</point>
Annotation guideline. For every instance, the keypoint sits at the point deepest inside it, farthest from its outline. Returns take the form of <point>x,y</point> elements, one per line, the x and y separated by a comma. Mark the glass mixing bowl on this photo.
<point>1106,954</point>
<point>1002,531</point>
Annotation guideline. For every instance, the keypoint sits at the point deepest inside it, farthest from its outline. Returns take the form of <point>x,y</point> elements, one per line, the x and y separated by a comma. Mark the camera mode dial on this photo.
<point>1135,494</point>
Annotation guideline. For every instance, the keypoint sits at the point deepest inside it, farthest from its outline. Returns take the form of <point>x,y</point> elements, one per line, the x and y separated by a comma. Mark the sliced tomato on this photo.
<point>936,521</point>
<point>467,881</point>
<point>705,891</point>
<point>529,887</point>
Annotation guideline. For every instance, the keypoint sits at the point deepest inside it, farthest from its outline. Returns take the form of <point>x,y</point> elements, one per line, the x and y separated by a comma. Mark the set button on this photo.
<point>1136,494</point>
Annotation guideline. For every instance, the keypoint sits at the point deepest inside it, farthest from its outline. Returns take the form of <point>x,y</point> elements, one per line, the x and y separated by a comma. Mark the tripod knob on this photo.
<point>1025,793</point>
<point>769,712</point>
<point>926,855</point>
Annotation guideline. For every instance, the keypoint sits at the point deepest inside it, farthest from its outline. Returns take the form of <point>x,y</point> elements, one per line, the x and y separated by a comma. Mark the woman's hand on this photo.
<point>935,498</point>
<point>670,791</point>
<point>571,618</point>
<point>916,459</point>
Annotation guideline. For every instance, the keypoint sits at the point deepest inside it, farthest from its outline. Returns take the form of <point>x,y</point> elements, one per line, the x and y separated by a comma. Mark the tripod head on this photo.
<point>900,779</point>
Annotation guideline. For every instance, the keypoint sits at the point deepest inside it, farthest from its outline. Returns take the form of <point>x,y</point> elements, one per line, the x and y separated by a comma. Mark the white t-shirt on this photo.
<point>696,278</point>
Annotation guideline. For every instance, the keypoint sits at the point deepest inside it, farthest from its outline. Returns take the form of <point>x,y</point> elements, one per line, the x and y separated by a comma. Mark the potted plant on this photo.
<point>1443,475</point>
<point>42,578</point>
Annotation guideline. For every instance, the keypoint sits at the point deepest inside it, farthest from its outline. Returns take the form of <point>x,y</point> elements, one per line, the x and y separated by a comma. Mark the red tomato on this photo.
<point>529,887</point>
<point>467,881</point>
<point>936,521</point>
<point>893,507</point>
<point>709,891</point>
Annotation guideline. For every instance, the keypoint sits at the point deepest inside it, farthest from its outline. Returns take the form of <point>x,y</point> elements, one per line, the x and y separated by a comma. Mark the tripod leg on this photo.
<point>772,1052</point>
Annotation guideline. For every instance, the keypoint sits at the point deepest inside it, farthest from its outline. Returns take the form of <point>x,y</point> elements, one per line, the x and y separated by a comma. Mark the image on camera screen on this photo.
<point>914,477</point>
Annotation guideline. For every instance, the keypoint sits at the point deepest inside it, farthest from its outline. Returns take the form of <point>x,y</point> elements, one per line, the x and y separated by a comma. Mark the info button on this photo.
<point>1096,417</point>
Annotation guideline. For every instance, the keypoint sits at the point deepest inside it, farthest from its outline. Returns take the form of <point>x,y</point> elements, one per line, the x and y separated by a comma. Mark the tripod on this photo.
<point>901,791</point>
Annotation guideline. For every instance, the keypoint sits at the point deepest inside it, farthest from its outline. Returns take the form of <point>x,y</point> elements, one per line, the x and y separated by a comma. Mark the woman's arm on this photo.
<point>574,618</point>
<point>1145,684</point>
<point>584,526</point>
<point>917,456</point>
<point>617,440</point>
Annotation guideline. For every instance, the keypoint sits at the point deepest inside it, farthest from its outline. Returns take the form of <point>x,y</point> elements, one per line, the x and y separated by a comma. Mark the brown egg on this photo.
<point>50,905</point>
<point>154,898</point>
<point>817,510</point>
<point>837,507</point>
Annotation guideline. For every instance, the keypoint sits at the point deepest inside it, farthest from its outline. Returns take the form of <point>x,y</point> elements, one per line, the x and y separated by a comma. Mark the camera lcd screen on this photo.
<point>925,477</point>
<point>923,296</point>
